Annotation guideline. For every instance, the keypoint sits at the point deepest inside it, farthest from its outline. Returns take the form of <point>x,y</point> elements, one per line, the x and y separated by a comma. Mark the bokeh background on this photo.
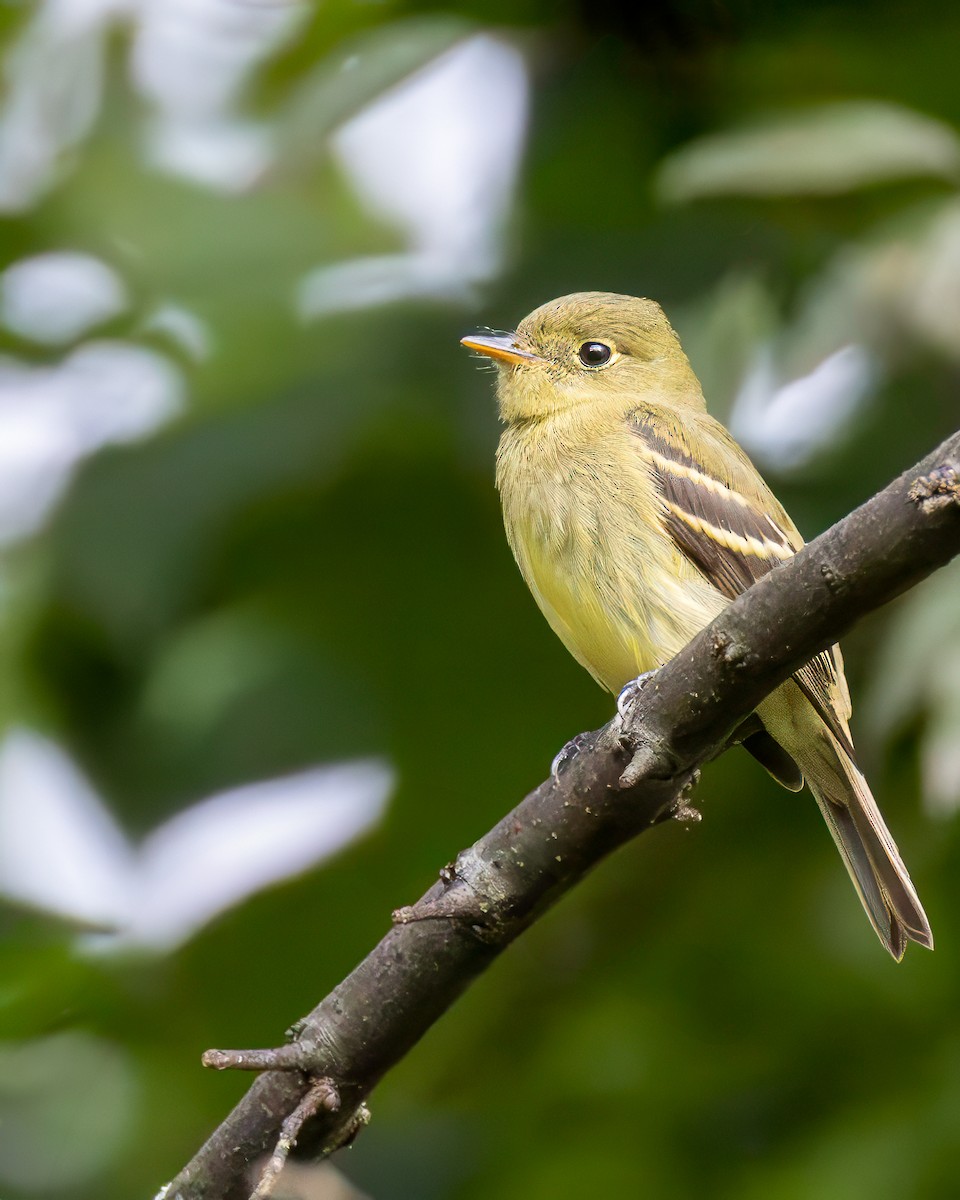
<point>267,663</point>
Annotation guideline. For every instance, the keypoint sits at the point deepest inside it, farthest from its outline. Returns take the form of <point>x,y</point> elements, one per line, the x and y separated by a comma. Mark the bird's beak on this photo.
<point>501,346</point>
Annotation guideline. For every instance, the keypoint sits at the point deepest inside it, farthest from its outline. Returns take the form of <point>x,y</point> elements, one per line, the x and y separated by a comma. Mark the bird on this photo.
<point>635,518</point>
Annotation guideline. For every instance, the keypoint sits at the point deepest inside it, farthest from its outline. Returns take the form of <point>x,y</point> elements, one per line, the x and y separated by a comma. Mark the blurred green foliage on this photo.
<point>307,565</point>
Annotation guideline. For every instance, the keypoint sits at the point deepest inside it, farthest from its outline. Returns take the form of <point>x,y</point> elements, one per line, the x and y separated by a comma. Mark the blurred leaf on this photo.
<point>940,749</point>
<point>925,623</point>
<point>833,148</point>
<point>915,679</point>
<point>54,72</point>
<point>929,295</point>
<point>897,287</point>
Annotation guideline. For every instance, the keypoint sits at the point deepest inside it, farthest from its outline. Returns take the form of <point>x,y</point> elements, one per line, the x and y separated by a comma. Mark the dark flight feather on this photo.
<point>733,544</point>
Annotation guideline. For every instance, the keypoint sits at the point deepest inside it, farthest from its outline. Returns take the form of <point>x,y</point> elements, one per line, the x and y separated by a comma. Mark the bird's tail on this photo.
<point>869,852</point>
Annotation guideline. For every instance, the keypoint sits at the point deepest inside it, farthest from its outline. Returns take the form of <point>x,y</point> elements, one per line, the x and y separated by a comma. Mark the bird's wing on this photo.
<point>734,531</point>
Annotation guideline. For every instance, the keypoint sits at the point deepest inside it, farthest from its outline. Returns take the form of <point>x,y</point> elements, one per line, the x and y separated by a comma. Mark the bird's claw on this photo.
<point>566,756</point>
<point>630,693</point>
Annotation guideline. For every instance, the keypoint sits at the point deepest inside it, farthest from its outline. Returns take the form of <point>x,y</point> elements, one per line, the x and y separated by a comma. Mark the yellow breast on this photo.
<point>582,516</point>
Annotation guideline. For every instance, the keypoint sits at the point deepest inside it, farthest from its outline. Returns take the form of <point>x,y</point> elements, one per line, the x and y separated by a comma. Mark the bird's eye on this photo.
<point>595,354</point>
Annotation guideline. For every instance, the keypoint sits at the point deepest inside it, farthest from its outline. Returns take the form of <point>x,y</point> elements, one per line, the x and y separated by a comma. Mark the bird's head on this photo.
<point>590,347</point>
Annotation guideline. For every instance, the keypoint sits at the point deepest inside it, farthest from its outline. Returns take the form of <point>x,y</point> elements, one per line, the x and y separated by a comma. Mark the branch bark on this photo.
<point>627,777</point>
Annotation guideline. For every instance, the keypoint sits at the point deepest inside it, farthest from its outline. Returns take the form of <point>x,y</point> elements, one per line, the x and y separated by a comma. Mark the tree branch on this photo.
<point>628,776</point>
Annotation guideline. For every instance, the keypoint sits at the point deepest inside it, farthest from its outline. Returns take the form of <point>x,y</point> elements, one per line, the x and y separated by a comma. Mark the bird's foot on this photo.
<point>630,693</point>
<point>569,752</point>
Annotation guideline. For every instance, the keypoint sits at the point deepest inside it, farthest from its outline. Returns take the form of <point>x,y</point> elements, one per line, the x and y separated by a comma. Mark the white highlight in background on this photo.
<point>52,417</point>
<point>191,59</point>
<point>62,852</point>
<point>53,298</point>
<point>437,158</point>
<point>785,425</point>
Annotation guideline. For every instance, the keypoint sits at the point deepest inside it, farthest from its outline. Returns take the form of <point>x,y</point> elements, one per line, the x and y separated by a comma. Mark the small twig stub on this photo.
<point>293,1057</point>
